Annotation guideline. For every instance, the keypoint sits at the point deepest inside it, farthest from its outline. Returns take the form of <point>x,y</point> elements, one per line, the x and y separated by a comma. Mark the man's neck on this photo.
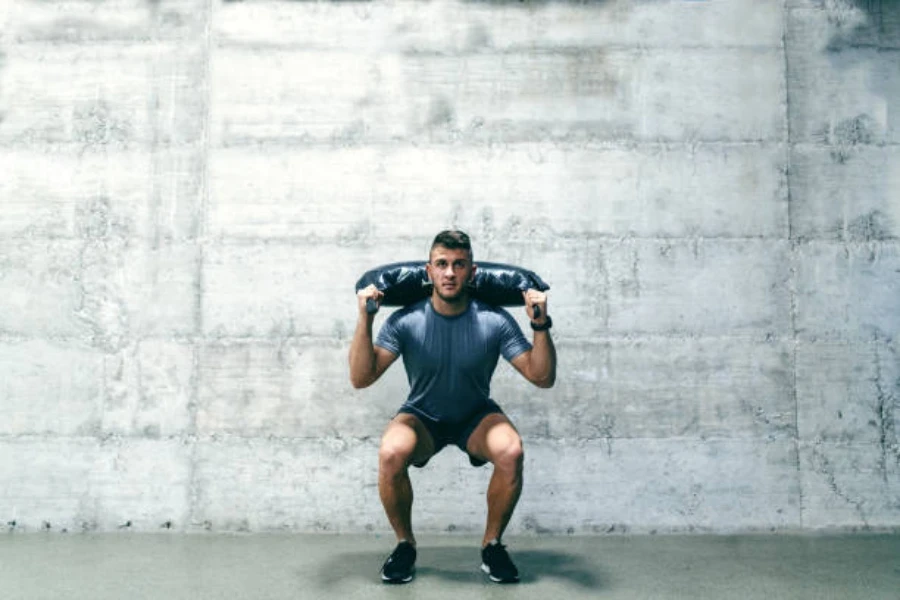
<point>449,309</point>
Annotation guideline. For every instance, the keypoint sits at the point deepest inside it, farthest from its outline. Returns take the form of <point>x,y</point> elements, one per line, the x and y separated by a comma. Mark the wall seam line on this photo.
<point>792,283</point>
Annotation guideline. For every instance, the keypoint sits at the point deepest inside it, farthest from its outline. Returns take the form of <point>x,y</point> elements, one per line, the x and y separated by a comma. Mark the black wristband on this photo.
<point>543,327</point>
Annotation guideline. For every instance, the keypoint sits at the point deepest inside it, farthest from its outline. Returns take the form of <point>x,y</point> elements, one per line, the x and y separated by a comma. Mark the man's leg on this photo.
<point>405,441</point>
<point>497,441</point>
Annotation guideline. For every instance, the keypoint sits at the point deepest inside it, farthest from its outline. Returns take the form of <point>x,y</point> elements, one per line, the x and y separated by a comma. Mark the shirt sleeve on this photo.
<point>389,335</point>
<point>512,340</point>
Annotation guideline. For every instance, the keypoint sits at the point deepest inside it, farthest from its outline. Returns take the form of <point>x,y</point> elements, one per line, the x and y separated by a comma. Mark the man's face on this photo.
<point>449,271</point>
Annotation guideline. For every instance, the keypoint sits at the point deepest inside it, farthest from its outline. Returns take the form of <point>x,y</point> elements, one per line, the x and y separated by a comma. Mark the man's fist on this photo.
<point>369,299</point>
<point>534,298</point>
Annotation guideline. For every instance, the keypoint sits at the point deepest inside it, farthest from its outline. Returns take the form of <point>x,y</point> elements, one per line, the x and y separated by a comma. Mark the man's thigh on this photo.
<point>495,434</point>
<point>406,433</point>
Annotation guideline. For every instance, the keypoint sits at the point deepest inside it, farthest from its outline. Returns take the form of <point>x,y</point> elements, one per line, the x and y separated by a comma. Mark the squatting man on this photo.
<point>451,343</point>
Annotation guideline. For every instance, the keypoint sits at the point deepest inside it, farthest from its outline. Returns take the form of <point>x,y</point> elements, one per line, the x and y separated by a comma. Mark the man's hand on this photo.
<point>535,298</point>
<point>368,293</point>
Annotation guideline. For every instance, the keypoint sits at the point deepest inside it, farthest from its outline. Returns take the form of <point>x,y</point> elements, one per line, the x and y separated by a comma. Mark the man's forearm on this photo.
<point>543,359</point>
<point>362,354</point>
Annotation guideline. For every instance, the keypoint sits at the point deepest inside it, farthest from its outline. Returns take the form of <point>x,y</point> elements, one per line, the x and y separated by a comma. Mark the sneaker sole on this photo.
<point>487,570</point>
<point>386,579</point>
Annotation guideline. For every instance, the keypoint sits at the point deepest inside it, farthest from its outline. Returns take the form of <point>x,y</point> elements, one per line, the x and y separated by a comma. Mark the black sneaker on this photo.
<point>400,565</point>
<point>496,563</point>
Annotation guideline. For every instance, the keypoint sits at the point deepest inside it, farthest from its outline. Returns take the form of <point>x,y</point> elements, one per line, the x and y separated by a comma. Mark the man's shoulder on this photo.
<point>491,312</point>
<point>409,311</point>
<point>481,306</point>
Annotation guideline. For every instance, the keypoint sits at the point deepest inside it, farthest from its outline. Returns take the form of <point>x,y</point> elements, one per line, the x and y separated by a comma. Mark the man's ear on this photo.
<point>472,275</point>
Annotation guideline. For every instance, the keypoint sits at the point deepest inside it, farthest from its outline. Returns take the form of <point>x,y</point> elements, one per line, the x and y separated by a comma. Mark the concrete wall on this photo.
<point>190,188</point>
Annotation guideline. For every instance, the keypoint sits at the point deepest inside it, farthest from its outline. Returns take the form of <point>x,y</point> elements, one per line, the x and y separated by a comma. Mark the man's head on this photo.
<point>450,265</point>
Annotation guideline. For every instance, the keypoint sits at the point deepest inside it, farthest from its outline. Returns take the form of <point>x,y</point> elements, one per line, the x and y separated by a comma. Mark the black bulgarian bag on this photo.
<point>405,283</point>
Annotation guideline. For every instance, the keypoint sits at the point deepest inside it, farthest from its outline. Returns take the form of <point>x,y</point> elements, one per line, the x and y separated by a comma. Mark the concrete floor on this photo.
<point>260,567</point>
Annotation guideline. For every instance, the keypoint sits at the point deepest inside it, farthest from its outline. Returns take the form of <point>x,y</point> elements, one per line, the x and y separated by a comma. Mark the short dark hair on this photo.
<point>453,239</point>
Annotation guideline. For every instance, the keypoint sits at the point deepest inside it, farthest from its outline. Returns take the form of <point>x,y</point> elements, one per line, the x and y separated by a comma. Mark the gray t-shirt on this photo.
<point>450,360</point>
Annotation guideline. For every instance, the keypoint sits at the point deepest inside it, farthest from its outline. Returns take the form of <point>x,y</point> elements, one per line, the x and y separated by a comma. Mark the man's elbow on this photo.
<point>359,382</point>
<point>546,382</point>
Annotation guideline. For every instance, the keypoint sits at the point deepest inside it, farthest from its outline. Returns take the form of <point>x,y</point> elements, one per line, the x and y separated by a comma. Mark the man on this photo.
<point>451,344</point>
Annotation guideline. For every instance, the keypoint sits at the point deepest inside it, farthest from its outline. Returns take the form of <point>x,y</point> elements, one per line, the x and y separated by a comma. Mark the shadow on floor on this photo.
<point>461,564</point>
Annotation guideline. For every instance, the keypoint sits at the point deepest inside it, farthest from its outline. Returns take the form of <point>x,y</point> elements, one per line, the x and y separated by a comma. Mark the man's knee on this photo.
<point>398,445</point>
<point>393,455</point>
<point>509,455</point>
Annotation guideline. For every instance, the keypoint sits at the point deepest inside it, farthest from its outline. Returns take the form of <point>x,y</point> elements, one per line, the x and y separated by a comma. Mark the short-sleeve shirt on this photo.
<point>449,361</point>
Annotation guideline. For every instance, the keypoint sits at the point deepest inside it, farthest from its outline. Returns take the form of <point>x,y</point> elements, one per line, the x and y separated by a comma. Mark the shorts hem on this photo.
<point>459,436</point>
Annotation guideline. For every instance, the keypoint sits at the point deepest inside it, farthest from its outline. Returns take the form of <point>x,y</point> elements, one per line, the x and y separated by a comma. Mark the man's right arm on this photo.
<point>367,361</point>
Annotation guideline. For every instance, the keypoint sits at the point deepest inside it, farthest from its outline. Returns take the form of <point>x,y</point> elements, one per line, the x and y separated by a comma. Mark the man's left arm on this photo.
<point>538,365</point>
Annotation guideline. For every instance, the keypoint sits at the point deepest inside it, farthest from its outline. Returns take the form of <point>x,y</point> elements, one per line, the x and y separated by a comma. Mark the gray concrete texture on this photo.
<point>190,188</point>
<point>318,567</point>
